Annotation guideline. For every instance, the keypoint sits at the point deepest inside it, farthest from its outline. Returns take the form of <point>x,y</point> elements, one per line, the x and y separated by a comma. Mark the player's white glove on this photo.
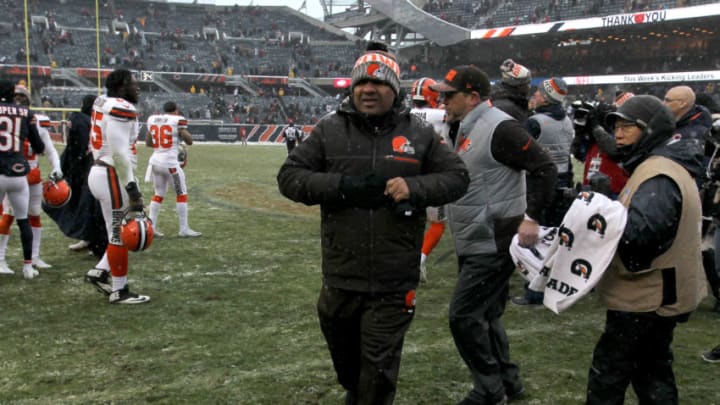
<point>56,175</point>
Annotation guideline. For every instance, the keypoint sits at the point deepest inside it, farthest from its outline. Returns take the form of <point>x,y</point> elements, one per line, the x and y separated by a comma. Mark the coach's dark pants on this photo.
<point>365,334</point>
<point>633,349</point>
<point>477,304</point>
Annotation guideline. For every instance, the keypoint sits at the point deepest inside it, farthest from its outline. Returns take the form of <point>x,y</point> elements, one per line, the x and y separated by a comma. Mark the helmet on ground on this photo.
<point>421,91</point>
<point>56,193</point>
<point>136,231</point>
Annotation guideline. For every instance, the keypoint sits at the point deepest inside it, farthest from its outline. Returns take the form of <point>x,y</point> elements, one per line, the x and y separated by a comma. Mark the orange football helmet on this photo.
<point>57,193</point>
<point>136,231</point>
<point>421,91</point>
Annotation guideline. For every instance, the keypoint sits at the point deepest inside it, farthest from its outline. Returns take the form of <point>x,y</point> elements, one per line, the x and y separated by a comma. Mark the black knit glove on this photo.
<point>135,197</point>
<point>364,191</point>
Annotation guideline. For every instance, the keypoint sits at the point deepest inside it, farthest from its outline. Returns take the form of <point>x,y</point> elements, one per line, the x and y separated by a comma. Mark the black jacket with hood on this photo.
<point>655,208</point>
<point>512,100</point>
<point>372,250</point>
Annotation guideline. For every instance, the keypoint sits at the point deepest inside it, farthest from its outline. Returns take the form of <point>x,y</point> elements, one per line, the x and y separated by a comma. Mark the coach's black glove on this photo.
<point>135,196</point>
<point>404,208</point>
<point>364,191</point>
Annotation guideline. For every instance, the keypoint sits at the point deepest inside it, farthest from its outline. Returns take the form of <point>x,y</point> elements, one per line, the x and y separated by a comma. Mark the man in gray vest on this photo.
<point>497,151</point>
<point>553,129</point>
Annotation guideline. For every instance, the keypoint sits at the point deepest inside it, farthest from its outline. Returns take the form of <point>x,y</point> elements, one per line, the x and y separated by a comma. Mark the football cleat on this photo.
<point>79,246</point>
<point>56,193</point>
<point>713,356</point>
<point>29,272</point>
<point>5,269</point>
<point>136,231</point>
<point>189,233</point>
<point>157,233</point>
<point>100,279</point>
<point>124,296</point>
<point>40,263</point>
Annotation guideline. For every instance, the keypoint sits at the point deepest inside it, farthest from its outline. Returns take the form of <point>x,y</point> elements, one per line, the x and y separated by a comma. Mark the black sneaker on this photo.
<point>522,301</point>
<point>515,395</point>
<point>124,296</point>
<point>100,279</point>
<point>713,356</point>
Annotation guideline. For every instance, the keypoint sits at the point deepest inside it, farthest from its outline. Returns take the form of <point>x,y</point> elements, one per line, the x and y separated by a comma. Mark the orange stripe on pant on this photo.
<point>115,191</point>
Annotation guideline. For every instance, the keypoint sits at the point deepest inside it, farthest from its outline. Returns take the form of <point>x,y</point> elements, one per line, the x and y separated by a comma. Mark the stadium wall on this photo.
<point>210,132</point>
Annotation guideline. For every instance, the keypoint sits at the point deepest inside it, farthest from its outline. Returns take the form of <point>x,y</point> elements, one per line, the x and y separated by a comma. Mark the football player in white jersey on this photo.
<point>17,124</point>
<point>425,103</point>
<point>34,179</point>
<point>114,127</point>
<point>425,106</point>
<point>165,134</point>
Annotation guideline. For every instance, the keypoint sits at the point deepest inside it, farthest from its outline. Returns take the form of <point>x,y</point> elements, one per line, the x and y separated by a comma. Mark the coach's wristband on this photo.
<point>527,218</point>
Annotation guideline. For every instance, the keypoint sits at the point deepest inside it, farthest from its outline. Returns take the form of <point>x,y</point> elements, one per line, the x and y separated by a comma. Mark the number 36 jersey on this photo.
<point>165,132</point>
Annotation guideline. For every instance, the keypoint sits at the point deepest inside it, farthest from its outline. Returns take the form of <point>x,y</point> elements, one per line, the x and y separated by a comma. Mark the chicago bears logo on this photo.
<point>567,237</point>
<point>582,268</point>
<point>597,223</point>
<point>400,144</point>
<point>586,196</point>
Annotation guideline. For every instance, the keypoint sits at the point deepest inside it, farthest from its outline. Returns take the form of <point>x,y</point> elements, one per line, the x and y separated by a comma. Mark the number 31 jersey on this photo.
<point>165,132</point>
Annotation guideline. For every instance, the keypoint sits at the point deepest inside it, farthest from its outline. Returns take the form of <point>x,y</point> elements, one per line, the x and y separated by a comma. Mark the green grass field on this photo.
<point>232,318</point>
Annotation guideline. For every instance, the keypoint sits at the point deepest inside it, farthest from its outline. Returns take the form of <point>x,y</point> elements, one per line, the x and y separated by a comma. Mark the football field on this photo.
<point>232,318</point>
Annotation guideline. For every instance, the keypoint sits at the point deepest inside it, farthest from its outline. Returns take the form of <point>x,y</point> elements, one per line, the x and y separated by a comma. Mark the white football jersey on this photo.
<point>165,132</point>
<point>113,134</point>
<point>43,125</point>
<point>434,116</point>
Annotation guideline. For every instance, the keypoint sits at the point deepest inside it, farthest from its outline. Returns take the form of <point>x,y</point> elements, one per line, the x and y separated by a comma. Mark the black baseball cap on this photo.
<point>464,78</point>
<point>638,109</point>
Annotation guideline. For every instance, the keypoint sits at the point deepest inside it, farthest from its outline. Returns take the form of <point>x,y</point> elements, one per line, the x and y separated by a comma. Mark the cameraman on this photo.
<point>594,145</point>
<point>711,198</point>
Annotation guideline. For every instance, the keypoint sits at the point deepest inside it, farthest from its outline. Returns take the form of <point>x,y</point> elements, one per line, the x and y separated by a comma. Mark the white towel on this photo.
<point>582,249</point>
<point>529,261</point>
